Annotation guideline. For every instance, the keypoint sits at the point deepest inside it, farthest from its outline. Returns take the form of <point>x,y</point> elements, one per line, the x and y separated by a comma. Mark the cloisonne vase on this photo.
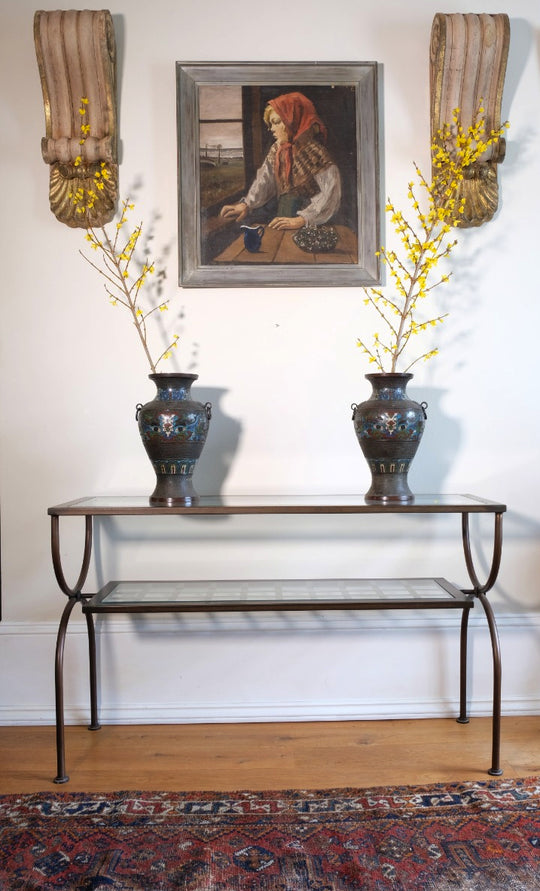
<point>173,429</point>
<point>389,427</point>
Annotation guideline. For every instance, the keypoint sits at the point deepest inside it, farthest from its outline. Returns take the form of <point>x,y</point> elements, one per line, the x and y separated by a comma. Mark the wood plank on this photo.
<point>231,253</point>
<point>278,247</point>
<point>224,757</point>
<point>348,241</point>
<point>289,252</point>
<point>236,252</point>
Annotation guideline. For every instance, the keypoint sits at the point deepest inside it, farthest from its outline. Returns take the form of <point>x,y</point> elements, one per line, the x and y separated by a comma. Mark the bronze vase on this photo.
<point>389,427</point>
<point>173,429</point>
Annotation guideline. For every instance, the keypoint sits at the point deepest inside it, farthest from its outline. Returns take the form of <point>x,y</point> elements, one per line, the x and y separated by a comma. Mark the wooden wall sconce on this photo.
<point>468,56</point>
<point>76,55</point>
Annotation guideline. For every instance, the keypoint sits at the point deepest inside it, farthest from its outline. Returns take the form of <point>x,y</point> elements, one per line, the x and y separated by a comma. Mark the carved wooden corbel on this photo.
<point>76,55</point>
<point>468,56</point>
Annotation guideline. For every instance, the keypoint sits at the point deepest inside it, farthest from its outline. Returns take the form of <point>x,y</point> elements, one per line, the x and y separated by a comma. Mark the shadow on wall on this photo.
<point>436,454</point>
<point>439,446</point>
<point>222,442</point>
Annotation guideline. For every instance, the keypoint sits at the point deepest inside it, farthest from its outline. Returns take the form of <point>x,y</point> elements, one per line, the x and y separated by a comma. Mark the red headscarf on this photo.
<point>298,114</point>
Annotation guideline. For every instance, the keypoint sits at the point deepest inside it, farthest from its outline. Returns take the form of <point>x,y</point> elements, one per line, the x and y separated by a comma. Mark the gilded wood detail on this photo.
<point>76,56</point>
<point>468,56</point>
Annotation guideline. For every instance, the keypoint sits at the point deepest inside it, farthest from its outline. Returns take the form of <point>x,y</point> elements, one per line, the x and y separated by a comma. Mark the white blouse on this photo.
<point>322,206</point>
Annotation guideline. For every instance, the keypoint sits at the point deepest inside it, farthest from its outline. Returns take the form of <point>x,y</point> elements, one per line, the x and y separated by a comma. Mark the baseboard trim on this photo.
<point>260,712</point>
<point>41,712</point>
<point>294,622</point>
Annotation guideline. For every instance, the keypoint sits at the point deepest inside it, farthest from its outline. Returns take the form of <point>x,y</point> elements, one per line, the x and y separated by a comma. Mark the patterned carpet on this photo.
<point>460,836</point>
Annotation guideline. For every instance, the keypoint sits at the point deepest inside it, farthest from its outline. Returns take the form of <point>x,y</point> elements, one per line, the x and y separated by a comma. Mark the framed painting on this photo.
<point>278,168</point>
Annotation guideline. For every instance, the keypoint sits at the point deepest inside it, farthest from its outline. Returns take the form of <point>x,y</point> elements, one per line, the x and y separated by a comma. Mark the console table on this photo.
<point>275,595</point>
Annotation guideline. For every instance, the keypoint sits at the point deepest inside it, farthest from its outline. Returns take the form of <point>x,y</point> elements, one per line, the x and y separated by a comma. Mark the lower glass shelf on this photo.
<point>276,595</point>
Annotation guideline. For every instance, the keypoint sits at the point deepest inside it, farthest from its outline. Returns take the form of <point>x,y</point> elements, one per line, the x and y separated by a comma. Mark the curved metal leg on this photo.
<point>480,591</point>
<point>463,717</point>
<point>495,769</point>
<point>74,596</point>
<point>495,560</point>
<point>94,719</point>
<point>57,560</point>
<point>61,776</point>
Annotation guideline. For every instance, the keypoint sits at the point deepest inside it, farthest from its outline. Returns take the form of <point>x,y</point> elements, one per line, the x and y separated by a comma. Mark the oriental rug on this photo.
<point>483,835</point>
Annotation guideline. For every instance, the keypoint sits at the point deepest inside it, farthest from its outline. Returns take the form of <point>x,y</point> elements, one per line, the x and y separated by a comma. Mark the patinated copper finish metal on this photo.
<point>441,593</point>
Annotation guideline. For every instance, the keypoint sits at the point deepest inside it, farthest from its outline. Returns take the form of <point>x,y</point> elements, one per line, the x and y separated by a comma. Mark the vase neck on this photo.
<point>173,385</point>
<point>391,385</point>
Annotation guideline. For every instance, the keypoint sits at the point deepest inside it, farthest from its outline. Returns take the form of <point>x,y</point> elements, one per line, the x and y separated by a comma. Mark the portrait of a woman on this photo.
<point>298,170</point>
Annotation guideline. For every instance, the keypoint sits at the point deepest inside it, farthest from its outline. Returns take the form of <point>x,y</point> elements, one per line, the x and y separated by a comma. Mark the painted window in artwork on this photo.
<point>221,145</point>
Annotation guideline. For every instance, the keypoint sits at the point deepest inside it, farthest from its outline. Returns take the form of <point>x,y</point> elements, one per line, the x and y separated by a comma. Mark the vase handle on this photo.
<point>423,406</point>
<point>138,409</point>
<point>354,406</point>
<point>208,409</point>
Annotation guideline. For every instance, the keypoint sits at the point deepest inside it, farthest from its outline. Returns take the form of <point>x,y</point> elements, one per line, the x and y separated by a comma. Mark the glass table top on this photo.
<point>307,594</point>
<point>112,505</point>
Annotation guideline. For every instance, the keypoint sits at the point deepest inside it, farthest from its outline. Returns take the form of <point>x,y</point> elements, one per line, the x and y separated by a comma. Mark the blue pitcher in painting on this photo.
<point>252,238</point>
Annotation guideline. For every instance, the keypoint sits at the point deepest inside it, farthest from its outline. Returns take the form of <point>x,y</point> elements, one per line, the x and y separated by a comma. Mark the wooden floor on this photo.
<point>223,757</point>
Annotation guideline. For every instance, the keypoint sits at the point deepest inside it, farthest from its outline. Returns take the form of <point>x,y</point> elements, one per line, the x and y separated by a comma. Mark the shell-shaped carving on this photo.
<point>468,56</point>
<point>481,193</point>
<point>66,180</point>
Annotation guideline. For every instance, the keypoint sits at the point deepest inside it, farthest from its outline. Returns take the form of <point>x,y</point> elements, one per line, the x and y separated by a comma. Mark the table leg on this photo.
<point>480,592</point>
<point>463,716</point>
<point>495,769</point>
<point>495,559</point>
<point>74,596</point>
<point>61,776</point>
<point>94,719</point>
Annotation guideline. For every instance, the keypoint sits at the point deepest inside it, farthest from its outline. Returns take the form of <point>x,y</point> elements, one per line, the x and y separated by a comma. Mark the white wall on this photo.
<point>282,368</point>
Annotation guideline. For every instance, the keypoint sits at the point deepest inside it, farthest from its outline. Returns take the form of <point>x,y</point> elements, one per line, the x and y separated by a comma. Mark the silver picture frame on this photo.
<point>222,141</point>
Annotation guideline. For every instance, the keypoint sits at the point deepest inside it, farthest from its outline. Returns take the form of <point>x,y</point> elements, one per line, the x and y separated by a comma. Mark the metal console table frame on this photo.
<point>419,593</point>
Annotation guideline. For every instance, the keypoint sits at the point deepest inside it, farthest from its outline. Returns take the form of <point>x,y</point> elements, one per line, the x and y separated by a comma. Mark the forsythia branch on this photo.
<point>116,266</point>
<point>120,285</point>
<point>425,242</point>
